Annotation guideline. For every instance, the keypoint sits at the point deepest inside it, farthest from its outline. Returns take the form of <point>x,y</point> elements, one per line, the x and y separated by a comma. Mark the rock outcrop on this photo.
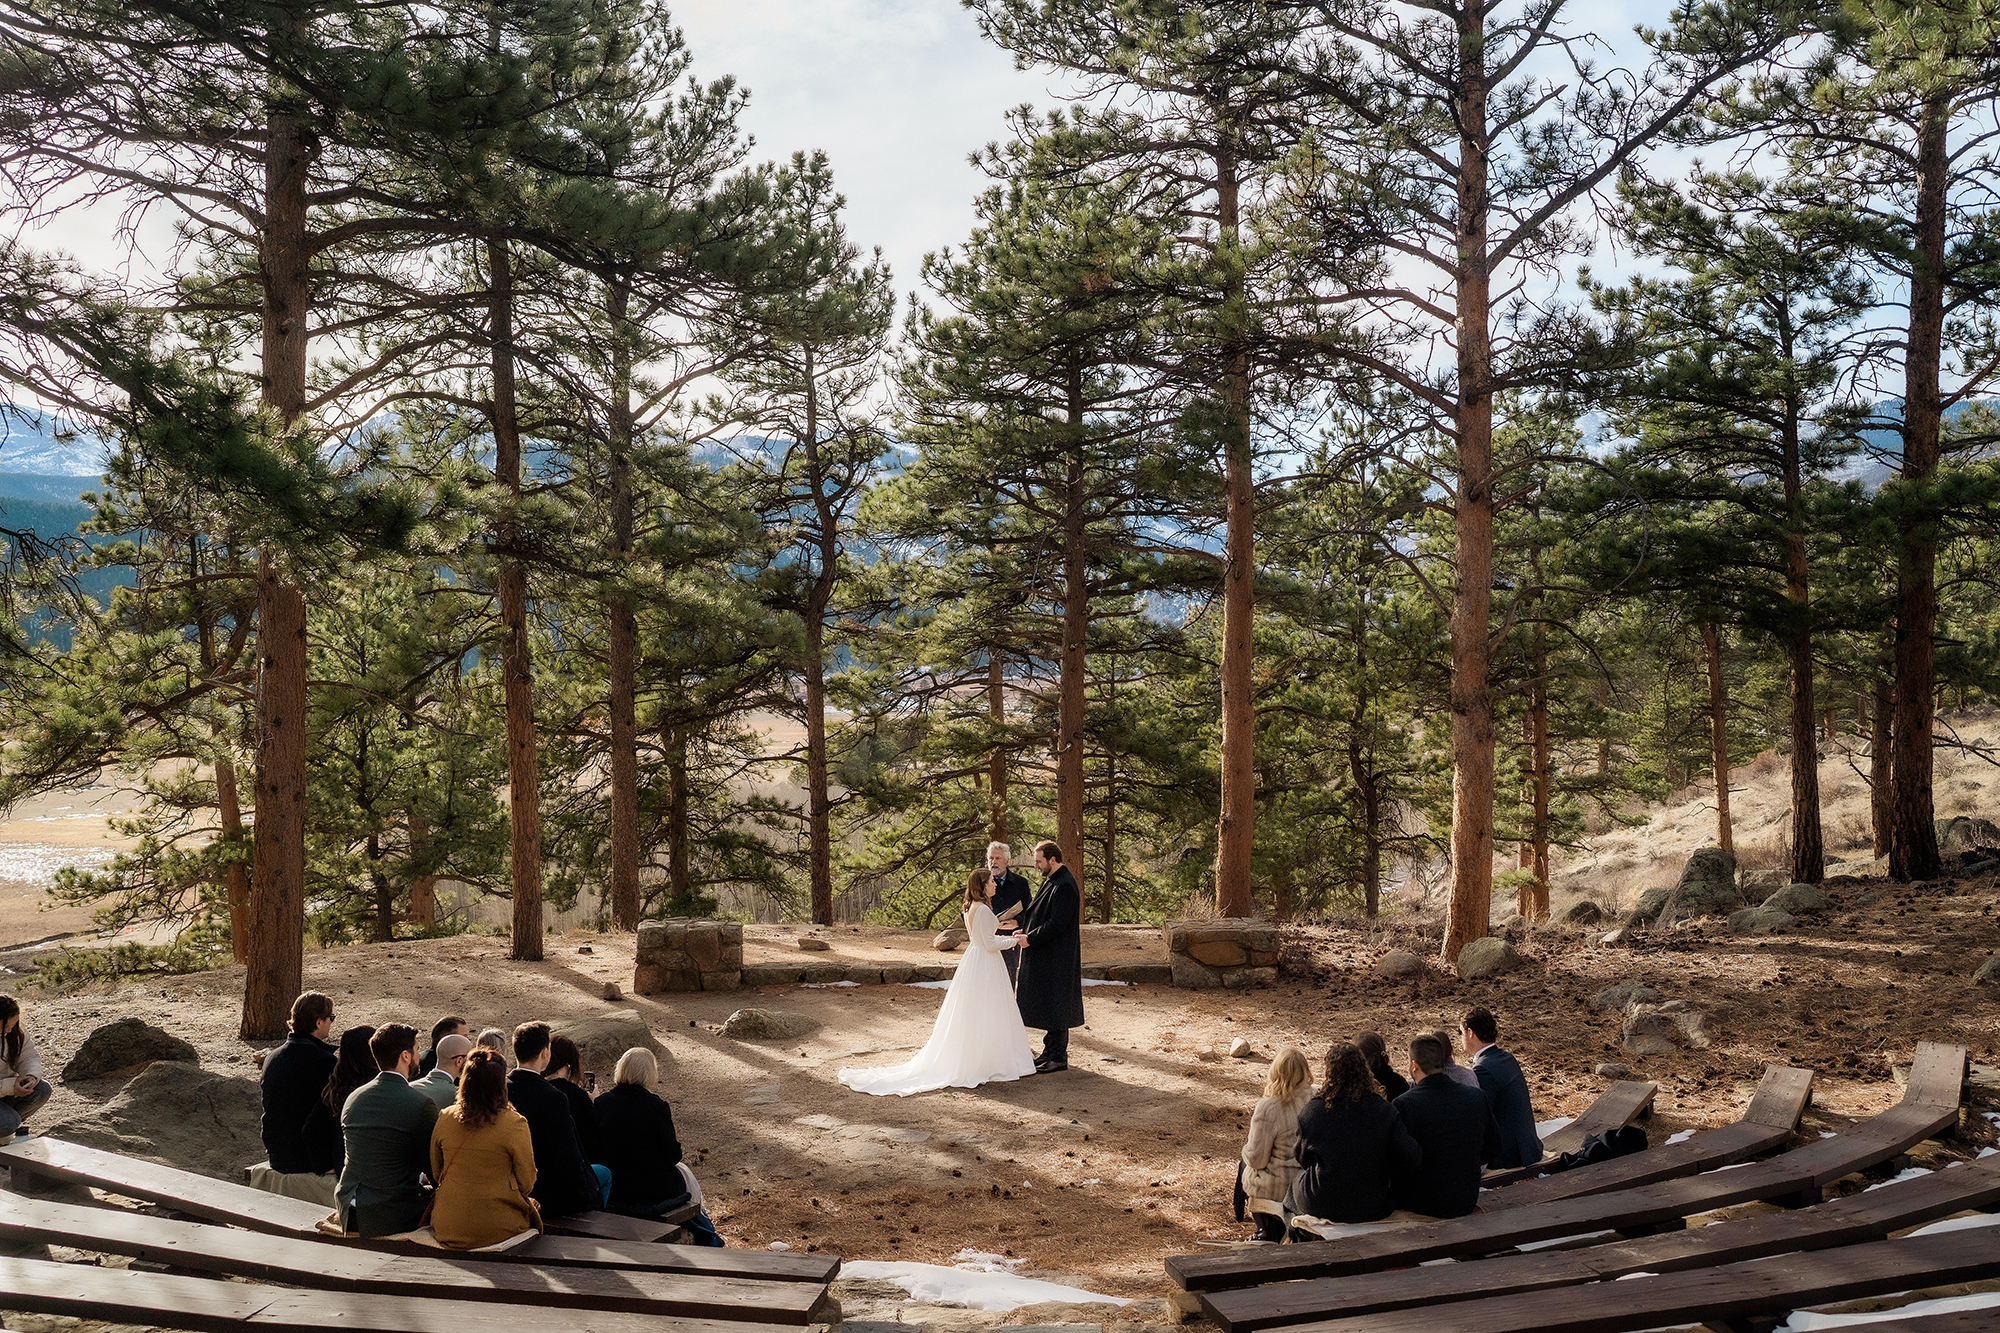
<point>125,1047</point>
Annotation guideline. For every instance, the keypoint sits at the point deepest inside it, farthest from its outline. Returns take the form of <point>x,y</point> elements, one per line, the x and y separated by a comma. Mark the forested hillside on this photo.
<point>1351,448</point>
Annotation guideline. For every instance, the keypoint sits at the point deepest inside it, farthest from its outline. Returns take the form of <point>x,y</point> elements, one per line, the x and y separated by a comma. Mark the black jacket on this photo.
<point>1506,1091</point>
<point>1050,991</point>
<point>1008,890</point>
<point>583,1117</point>
<point>1353,1154</point>
<point>564,1182</point>
<point>1454,1129</point>
<point>294,1076</point>
<point>1393,1084</point>
<point>636,1128</point>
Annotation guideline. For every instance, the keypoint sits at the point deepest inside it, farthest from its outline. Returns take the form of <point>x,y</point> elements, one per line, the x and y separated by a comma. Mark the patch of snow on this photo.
<point>1562,1240</point>
<point>1805,1320</point>
<point>1911,1173</point>
<point>1681,1137</point>
<point>1544,1128</point>
<point>1629,1276</point>
<point>777,1245</point>
<point>1088,981</point>
<point>1988,1152</point>
<point>1958,1224</point>
<point>993,1288</point>
<point>920,985</point>
<point>829,985</point>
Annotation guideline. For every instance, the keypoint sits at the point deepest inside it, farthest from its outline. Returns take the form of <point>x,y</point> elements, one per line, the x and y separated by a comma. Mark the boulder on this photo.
<point>1191,975</point>
<point>1487,957</point>
<point>1582,912</point>
<point>1613,939</point>
<point>1614,1071</point>
<point>1629,993</point>
<point>767,1025</point>
<point>601,1040</point>
<point>948,940</point>
<point>1647,910</point>
<point>1799,900</point>
<point>1512,928</point>
<point>1988,973</point>
<point>813,944</point>
<point>1398,963</point>
<point>1965,833</point>
<point>1709,865</point>
<point>1763,879</point>
<point>1760,920</point>
<point>1241,1048</point>
<point>125,1047</point>
<point>180,1115</point>
<point>1650,1032</point>
<point>1707,887</point>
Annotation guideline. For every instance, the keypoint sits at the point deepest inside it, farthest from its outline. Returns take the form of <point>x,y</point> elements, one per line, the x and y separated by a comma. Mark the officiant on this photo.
<point>1050,989</point>
<point>1010,891</point>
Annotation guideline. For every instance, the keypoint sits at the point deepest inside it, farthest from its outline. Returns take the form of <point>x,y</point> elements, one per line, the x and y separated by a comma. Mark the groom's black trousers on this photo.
<point>1055,1045</point>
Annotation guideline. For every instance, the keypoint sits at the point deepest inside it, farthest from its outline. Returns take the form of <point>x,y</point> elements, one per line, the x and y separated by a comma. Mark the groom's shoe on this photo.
<point>1051,1066</point>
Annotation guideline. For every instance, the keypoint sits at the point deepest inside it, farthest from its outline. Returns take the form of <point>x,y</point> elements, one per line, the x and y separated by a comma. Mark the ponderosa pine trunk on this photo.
<point>1071,680</point>
<point>1913,848</point>
<point>1472,737</point>
<point>680,873</point>
<point>274,971</point>
<point>423,888</point>
<point>1808,841</point>
<point>1108,905</point>
<point>622,630</point>
<point>517,671</point>
<point>819,799</point>
<point>996,761</point>
<point>1718,735</point>
<point>1883,698</point>
<point>236,878</point>
<point>1361,769</point>
<point>1236,823</point>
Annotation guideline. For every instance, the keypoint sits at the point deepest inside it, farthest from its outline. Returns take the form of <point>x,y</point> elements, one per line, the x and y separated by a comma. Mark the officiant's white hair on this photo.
<point>1003,847</point>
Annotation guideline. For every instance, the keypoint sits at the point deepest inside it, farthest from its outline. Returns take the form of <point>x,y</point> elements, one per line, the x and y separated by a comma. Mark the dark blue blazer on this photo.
<point>1506,1090</point>
<point>1453,1126</point>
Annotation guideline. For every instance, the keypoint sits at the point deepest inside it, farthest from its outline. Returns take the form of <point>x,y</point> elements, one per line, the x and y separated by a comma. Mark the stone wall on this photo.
<point>684,954</point>
<point>1236,952</point>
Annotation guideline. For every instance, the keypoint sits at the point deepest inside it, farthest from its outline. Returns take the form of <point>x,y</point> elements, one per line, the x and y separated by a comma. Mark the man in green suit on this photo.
<point>387,1126</point>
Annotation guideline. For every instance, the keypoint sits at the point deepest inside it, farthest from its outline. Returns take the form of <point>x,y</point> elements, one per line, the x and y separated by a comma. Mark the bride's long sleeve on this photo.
<point>981,929</point>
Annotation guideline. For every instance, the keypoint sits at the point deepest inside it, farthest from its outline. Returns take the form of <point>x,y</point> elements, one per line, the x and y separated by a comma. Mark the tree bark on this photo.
<point>680,876</point>
<point>274,970</point>
<point>1236,824</point>
<point>1071,677</point>
<point>1538,774</point>
<point>1472,738</point>
<point>622,631</point>
<point>236,878</point>
<point>1880,783</point>
<point>1108,907</point>
<point>1808,839</point>
<point>1361,767</point>
<point>1718,735</point>
<point>524,805</point>
<point>819,799</point>
<point>1913,849</point>
<point>423,888</point>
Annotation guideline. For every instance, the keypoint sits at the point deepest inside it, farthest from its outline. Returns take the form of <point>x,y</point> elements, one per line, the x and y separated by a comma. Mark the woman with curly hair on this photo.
<point>1352,1145</point>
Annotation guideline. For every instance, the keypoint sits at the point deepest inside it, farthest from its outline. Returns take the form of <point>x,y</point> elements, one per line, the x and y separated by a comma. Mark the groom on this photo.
<point>1050,992</point>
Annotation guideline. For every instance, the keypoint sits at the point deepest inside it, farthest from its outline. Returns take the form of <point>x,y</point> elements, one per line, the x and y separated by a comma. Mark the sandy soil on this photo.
<point>1128,1157</point>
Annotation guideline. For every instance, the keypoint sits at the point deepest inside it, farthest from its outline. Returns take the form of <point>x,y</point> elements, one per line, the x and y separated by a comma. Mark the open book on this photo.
<point>1012,912</point>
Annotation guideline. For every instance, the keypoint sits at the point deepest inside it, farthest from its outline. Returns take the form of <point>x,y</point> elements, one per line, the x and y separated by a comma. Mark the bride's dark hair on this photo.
<point>978,888</point>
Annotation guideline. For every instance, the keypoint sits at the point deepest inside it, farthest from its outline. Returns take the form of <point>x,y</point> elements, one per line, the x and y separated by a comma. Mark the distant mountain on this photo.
<point>44,445</point>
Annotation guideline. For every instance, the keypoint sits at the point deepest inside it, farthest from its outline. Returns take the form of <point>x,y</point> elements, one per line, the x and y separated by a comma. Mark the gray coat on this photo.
<point>1050,992</point>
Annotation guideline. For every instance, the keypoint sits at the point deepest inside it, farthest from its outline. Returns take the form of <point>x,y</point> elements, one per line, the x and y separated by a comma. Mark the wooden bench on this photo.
<point>1868,1216</point>
<point>1616,1107</point>
<point>1930,1103</point>
<point>1733,1296</point>
<point>127,1297</point>
<point>222,1201</point>
<point>239,1205</point>
<point>314,1263</point>
<point>1769,1120</point>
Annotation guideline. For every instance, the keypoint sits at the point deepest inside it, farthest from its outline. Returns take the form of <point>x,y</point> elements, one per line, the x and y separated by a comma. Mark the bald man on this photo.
<point>441,1084</point>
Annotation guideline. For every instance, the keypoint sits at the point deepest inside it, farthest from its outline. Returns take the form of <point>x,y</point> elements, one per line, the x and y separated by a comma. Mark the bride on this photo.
<point>978,1037</point>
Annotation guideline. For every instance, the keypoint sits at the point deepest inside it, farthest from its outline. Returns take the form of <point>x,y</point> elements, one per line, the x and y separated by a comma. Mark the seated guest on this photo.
<point>293,1078</point>
<point>565,1183</point>
<point>444,1027</point>
<point>1506,1091</point>
<point>565,1075</point>
<point>1269,1166</point>
<point>1376,1052</point>
<point>321,1131</point>
<point>483,1160</point>
<point>1353,1147</point>
<point>387,1127</point>
<point>1456,1072</point>
<point>1454,1130</point>
<point>441,1084</point>
<point>494,1040</point>
<point>636,1127</point>
<point>23,1090</point>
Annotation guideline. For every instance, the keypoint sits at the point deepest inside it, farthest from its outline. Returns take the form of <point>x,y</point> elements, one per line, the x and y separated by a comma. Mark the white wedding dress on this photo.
<point>978,1037</point>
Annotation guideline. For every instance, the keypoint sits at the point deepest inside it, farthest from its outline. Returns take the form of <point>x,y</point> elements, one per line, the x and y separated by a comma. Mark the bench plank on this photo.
<point>584,1252</point>
<point>1616,1107</point>
<point>123,1296</point>
<point>1798,1174</point>
<point>1768,1122</point>
<point>1710,1295</point>
<point>1853,1220</point>
<point>310,1263</point>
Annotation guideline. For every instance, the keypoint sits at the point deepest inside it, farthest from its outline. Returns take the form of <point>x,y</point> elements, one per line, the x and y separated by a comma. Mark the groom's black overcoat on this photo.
<point>1051,987</point>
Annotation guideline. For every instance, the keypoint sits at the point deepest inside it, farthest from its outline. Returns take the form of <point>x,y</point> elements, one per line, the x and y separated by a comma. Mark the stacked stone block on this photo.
<point>685,955</point>
<point>1233,952</point>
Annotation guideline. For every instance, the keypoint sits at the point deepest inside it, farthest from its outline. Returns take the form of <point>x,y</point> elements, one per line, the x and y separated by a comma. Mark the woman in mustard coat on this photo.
<point>483,1161</point>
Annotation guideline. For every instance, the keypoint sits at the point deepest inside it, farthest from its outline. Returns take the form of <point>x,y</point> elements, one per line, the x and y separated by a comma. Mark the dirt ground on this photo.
<point>1129,1156</point>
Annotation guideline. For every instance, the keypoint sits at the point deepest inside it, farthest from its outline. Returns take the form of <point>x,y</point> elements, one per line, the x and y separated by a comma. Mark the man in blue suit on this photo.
<point>1506,1091</point>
